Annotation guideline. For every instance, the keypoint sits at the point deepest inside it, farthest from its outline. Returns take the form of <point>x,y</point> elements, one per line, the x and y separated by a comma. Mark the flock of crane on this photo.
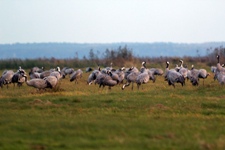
<point>40,79</point>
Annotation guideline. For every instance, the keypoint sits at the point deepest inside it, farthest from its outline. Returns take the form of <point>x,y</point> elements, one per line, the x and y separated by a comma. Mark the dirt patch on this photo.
<point>161,107</point>
<point>37,147</point>
<point>39,102</point>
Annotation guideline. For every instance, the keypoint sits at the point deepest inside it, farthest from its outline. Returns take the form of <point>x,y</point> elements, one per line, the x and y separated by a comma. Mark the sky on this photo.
<point>110,21</point>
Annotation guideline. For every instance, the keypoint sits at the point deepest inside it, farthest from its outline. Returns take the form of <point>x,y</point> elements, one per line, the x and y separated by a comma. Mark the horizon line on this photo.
<point>111,42</point>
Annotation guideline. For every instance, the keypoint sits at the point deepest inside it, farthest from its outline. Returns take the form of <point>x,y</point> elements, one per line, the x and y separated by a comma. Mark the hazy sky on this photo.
<point>91,21</point>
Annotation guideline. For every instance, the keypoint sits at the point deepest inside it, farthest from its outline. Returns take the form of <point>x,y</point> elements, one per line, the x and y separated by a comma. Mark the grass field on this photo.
<point>78,116</point>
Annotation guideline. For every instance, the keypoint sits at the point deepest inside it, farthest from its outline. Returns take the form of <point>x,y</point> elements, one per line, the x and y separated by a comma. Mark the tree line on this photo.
<point>122,56</point>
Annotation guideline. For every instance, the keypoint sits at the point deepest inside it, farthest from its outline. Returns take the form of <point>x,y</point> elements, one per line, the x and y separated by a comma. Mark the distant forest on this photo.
<point>81,50</point>
<point>122,56</point>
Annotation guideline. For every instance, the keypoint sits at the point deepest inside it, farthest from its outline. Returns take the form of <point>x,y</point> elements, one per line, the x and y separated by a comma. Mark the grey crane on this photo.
<point>45,74</point>
<point>193,76</point>
<point>76,76</point>
<point>134,69</point>
<point>19,78</point>
<point>156,71</point>
<point>21,70</point>
<point>220,72</point>
<point>34,75</point>
<point>35,72</point>
<point>37,83</point>
<point>93,76</point>
<point>142,78</point>
<point>114,76</point>
<point>130,76</point>
<point>196,74</point>
<point>221,78</point>
<point>121,74</point>
<point>219,68</point>
<point>47,82</point>
<point>56,73</point>
<point>145,75</point>
<point>99,78</point>
<point>66,71</point>
<point>167,70</point>
<point>143,66</point>
<point>117,75</point>
<point>173,76</point>
<point>150,73</point>
<point>6,77</point>
<point>203,74</point>
<point>107,80</point>
<point>130,70</point>
<point>36,69</point>
<point>52,81</point>
<point>108,68</point>
<point>183,71</point>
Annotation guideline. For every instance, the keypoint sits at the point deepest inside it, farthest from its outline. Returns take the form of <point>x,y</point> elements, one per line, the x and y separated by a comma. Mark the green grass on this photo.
<point>78,116</point>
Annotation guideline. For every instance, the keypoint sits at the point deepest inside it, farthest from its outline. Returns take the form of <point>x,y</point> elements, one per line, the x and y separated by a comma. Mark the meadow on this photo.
<point>78,116</point>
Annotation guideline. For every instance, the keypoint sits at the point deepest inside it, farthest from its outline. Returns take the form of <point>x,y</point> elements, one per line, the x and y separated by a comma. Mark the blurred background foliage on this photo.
<point>122,56</point>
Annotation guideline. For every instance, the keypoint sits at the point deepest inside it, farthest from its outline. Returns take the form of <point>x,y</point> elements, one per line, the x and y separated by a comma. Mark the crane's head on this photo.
<point>167,64</point>
<point>58,69</point>
<point>143,63</point>
<point>123,68</point>
<point>131,68</point>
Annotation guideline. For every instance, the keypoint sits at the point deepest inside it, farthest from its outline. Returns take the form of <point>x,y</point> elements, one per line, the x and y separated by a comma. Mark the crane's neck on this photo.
<point>218,59</point>
<point>167,66</point>
<point>181,63</point>
<point>25,76</point>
